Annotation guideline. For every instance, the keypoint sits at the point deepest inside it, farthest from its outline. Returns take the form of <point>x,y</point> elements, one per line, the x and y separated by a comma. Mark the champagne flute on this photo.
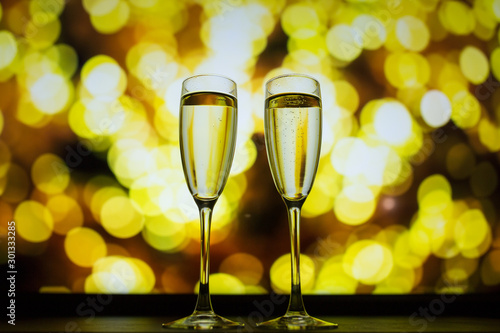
<point>293,141</point>
<point>208,117</point>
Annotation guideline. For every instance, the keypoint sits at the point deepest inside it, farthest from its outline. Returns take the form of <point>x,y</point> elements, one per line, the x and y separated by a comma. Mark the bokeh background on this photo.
<point>406,199</point>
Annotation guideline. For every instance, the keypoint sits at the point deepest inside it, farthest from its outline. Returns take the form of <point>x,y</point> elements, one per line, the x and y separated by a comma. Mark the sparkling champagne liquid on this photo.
<point>207,139</point>
<point>293,140</point>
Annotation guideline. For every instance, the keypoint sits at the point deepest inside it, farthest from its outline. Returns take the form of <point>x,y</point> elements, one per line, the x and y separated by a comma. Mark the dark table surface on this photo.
<point>358,313</point>
<point>346,324</point>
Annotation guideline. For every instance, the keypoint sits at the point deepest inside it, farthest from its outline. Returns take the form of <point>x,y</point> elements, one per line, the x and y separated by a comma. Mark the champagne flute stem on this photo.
<point>204,303</point>
<point>296,304</point>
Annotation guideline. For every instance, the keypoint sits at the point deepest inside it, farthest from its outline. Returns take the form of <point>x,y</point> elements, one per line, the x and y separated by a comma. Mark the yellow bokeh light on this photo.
<point>435,108</point>
<point>103,118</point>
<point>51,93</point>
<point>407,70</point>
<point>120,218</point>
<point>481,249</point>
<point>451,81</point>
<point>224,284</point>
<point>8,50</point>
<point>166,124</point>
<point>280,273</point>
<point>177,202</point>
<point>130,160</point>
<point>76,121</point>
<point>235,188</point>
<point>36,64</point>
<point>222,217</point>
<point>145,193</point>
<point>341,124</point>
<point>341,42</point>
<point>42,36</point>
<point>484,9</point>
<point>135,123</point>
<point>50,174</point>
<point>471,230</point>
<point>368,111</point>
<point>394,167</point>
<point>33,221</point>
<point>457,17</point>
<point>246,267</point>
<point>164,234</point>
<point>167,156</point>
<point>251,35</point>
<point>346,95</point>
<point>398,176</point>
<point>415,144</point>
<point>495,62</point>
<point>411,97</point>
<point>459,268</point>
<point>333,279</point>
<point>369,165</point>
<point>489,134</point>
<point>411,248</point>
<point>436,63</point>
<point>306,51</point>
<point>94,184</point>
<point>354,205</point>
<point>5,158</point>
<point>29,115</point>
<point>440,231</point>
<point>347,155</point>
<point>370,30</point>
<point>113,20</point>
<point>101,196</point>
<point>368,261</point>
<point>146,277</point>
<point>115,274</point>
<point>474,64</point>
<point>84,246</point>
<point>100,7</point>
<point>434,194</point>
<point>153,64</point>
<point>43,11</point>
<point>103,77</point>
<point>65,57</point>
<point>393,123</point>
<point>244,157</point>
<point>482,31</point>
<point>412,33</point>
<point>400,281</point>
<point>433,183</point>
<point>300,21</point>
<point>144,3</point>
<point>321,198</point>
<point>66,212</point>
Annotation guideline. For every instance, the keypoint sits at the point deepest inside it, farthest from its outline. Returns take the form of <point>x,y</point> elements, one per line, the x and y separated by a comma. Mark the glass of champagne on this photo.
<point>208,117</point>
<point>293,141</point>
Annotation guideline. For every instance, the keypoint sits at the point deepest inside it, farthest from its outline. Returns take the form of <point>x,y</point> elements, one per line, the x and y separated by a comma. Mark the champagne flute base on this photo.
<point>296,322</point>
<point>203,320</point>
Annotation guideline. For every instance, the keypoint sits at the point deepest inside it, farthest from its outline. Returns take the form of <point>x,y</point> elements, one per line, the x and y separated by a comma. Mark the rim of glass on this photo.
<point>232,92</point>
<point>281,76</point>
